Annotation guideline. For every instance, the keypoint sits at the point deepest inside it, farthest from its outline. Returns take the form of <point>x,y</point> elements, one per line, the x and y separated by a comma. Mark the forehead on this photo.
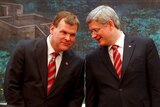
<point>94,24</point>
<point>62,22</point>
<point>65,26</point>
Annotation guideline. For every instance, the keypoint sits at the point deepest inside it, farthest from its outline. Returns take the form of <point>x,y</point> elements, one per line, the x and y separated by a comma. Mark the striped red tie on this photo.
<point>117,60</point>
<point>51,71</point>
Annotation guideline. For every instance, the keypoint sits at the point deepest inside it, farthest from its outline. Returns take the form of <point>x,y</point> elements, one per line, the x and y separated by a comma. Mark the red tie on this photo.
<point>117,60</point>
<point>51,71</point>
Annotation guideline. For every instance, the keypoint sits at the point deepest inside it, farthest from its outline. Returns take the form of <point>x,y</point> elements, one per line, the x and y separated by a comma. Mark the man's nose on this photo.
<point>93,35</point>
<point>68,37</point>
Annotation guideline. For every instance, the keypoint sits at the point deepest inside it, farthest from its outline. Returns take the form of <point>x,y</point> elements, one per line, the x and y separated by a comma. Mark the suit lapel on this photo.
<point>41,57</point>
<point>129,47</point>
<point>107,61</point>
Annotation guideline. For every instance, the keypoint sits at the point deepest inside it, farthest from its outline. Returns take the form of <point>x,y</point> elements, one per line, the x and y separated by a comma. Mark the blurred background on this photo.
<point>30,19</point>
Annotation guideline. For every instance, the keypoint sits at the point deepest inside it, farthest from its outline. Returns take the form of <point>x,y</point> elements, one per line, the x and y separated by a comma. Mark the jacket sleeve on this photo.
<point>91,87</point>
<point>77,97</point>
<point>13,78</point>
<point>153,68</point>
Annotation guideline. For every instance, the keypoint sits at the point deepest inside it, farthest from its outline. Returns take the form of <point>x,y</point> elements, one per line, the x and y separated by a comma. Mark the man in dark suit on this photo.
<point>125,70</point>
<point>27,82</point>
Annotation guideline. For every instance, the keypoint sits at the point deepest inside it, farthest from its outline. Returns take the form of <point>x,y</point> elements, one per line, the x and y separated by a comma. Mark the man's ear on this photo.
<point>51,28</point>
<point>111,24</point>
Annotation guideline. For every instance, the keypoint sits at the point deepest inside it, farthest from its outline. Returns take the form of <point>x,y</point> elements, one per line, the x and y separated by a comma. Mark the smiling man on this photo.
<point>45,72</point>
<point>124,71</point>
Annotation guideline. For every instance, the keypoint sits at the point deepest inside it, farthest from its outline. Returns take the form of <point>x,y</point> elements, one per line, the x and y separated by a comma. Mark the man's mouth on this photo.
<point>66,44</point>
<point>98,39</point>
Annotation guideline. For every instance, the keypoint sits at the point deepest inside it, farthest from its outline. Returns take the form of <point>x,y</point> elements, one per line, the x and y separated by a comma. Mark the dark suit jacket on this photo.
<point>140,82</point>
<point>26,78</point>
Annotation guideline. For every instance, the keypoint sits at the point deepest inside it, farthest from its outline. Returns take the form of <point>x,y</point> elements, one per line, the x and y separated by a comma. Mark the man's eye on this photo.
<point>72,35</point>
<point>95,30</point>
<point>63,32</point>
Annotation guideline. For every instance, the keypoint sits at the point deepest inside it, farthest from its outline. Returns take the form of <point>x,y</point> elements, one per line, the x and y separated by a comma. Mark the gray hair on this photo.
<point>103,14</point>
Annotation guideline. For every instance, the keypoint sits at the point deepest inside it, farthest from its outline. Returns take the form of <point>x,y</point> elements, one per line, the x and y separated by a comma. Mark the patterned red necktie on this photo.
<point>51,71</point>
<point>117,60</point>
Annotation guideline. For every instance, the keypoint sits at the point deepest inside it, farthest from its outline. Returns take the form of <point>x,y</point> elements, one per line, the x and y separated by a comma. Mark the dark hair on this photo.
<point>70,18</point>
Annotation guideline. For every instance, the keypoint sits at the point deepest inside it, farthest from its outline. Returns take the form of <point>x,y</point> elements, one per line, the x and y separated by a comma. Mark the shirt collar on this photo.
<point>120,41</point>
<point>50,49</point>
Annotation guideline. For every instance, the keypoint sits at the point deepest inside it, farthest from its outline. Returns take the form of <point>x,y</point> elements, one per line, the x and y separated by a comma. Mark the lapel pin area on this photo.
<point>66,63</point>
<point>129,46</point>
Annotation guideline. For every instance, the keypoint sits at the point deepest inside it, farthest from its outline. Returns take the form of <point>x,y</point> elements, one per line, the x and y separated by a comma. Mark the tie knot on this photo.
<point>55,54</point>
<point>114,47</point>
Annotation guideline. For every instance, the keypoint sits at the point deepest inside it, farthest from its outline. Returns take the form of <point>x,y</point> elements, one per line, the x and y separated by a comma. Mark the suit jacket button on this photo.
<point>120,89</point>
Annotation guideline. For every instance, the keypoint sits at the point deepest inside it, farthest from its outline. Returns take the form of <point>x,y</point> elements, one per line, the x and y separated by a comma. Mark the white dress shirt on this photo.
<point>50,51</point>
<point>120,43</point>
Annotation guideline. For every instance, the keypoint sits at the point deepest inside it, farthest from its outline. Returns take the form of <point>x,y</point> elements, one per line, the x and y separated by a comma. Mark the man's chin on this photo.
<point>65,48</point>
<point>100,44</point>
